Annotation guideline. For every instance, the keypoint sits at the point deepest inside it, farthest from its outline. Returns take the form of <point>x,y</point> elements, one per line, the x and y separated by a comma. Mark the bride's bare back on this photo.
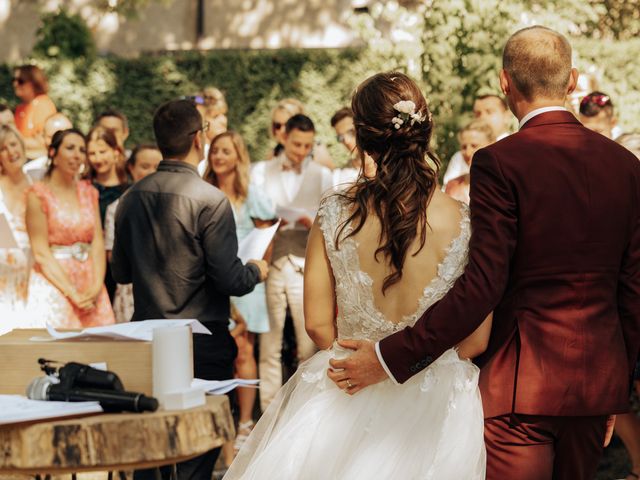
<point>402,298</point>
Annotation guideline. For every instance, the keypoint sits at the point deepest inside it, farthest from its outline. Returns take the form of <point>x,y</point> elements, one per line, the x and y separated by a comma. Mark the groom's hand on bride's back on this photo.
<point>361,369</point>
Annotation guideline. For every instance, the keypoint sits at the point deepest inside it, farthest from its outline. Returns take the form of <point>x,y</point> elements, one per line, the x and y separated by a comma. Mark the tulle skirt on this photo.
<point>431,427</point>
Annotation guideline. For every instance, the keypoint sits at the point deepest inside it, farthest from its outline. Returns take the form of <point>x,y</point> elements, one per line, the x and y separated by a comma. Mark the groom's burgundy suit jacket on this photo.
<point>555,254</point>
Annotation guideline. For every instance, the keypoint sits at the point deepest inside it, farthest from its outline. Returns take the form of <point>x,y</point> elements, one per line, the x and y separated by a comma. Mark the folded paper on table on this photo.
<point>220,387</point>
<point>140,331</point>
<point>255,244</point>
<point>16,408</point>
<point>7,239</point>
<point>293,214</point>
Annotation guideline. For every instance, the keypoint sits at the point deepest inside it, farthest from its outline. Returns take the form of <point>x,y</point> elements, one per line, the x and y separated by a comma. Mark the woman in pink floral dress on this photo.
<point>66,288</point>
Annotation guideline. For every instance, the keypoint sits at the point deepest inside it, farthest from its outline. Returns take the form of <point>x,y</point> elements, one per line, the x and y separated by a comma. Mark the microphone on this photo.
<point>48,388</point>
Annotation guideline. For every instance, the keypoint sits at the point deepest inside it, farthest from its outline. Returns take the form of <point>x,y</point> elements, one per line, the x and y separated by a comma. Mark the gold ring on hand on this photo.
<point>349,385</point>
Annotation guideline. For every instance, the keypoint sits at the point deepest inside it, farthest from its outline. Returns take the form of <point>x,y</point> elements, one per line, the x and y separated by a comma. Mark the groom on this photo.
<point>555,254</point>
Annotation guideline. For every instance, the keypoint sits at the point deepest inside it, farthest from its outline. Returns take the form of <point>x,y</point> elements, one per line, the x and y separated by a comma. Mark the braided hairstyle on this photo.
<point>405,181</point>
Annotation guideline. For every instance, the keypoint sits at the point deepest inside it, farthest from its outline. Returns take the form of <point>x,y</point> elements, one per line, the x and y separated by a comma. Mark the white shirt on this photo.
<point>538,111</point>
<point>37,168</point>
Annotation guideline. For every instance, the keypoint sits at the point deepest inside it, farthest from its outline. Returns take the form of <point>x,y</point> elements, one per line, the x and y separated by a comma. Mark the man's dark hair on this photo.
<point>299,122</point>
<point>594,103</point>
<point>174,124</point>
<point>3,107</point>
<point>497,97</point>
<point>111,112</point>
<point>340,115</point>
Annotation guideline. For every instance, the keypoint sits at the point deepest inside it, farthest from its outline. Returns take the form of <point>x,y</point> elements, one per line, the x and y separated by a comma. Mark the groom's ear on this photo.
<point>573,81</point>
<point>505,82</point>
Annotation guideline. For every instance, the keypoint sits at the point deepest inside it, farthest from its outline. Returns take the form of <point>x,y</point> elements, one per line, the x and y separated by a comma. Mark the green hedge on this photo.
<point>254,80</point>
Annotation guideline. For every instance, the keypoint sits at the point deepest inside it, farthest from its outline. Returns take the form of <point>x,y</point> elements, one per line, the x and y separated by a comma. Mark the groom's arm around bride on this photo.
<point>555,253</point>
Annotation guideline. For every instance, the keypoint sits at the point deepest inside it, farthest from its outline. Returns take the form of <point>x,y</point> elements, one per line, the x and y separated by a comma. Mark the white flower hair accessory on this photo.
<point>406,112</point>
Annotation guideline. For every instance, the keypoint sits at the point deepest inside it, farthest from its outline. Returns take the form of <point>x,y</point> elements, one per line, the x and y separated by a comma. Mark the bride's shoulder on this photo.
<point>446,214</point>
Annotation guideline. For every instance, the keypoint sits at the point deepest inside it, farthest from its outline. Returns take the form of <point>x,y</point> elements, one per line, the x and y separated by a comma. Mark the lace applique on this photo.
<point>357,315</point>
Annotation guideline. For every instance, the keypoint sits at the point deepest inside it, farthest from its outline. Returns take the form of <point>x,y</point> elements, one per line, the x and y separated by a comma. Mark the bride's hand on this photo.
<point>361,369</point>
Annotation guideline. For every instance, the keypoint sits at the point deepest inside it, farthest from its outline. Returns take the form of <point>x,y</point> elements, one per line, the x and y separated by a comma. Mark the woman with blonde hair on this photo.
<point>228,169</point>
<point>15,263</point>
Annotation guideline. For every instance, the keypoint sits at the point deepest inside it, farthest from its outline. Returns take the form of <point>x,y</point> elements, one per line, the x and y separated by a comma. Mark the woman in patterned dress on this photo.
<point>66,288</point>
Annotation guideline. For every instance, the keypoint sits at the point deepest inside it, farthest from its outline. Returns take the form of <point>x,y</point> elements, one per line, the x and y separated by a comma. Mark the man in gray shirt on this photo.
<point>175,240</point>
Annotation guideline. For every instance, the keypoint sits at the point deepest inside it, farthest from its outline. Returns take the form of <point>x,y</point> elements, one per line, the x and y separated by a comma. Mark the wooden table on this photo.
<point>114,442</point>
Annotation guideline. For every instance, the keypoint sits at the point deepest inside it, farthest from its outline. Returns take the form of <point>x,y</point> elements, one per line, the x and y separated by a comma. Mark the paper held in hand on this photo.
<point>7,240</point>
<point>141,331</point>
<point>254,245</point>
<point>293,214</point>
<point>220,387</point>
<point>15,409</point>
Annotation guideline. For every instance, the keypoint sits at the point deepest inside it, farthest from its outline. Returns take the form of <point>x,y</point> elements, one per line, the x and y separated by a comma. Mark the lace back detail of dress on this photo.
<point>357,315</point>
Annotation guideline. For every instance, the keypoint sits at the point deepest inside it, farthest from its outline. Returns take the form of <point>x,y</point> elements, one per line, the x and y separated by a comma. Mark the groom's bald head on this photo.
<point>538,61</point>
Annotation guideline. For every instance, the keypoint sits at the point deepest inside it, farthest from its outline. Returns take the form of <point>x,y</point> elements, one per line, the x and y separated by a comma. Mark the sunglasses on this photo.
<point>19,81</point>
<point>275,126</point>
<point>349,133</point>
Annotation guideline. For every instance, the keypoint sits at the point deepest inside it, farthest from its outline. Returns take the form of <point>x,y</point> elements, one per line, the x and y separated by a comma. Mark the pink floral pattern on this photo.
<point>65,227</point>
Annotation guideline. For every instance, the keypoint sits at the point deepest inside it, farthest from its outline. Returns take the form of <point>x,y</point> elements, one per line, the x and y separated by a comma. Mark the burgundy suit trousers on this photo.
<point>544,448</point>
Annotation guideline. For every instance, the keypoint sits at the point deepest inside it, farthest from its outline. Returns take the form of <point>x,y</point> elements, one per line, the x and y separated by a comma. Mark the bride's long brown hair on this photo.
<point>405,181</point>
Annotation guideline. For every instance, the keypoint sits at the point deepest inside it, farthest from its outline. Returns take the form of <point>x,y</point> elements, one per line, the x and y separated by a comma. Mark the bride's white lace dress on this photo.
<point>430,427</point>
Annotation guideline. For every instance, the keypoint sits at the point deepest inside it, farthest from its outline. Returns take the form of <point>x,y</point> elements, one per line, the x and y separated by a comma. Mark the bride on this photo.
<point>387,249</point>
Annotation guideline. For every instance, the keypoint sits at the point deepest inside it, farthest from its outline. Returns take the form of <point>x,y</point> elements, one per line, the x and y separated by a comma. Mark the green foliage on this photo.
<point>452,48</point>
<point>63,36</point>
<point>460,49</point>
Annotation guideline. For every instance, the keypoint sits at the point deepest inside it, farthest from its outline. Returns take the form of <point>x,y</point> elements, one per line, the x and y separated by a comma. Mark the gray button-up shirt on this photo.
<point>175,240</point>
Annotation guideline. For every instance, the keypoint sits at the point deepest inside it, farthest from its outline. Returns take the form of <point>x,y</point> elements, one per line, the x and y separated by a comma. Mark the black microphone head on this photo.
<point>38,389</point>
<point>147,404</point>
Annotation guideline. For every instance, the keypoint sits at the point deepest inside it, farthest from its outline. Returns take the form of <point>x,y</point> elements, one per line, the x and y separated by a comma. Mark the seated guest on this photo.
<point>228,169</point>
<point>143,161</point>
<point>596,113</point>
<point>30,86</point>
<point>38,167</point>
<point>66,287</point>
<point>175,240</point>
<point>494,111</point>
<point>15,263</point>
<point>474,136</point>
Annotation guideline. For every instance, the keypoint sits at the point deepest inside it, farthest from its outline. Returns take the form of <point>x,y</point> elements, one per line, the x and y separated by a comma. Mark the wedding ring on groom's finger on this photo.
<point>349,385</point>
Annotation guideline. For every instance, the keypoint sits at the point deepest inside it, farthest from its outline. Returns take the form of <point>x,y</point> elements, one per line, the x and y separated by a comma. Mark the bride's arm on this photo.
<point>319,291</point>
<point>476,343</point>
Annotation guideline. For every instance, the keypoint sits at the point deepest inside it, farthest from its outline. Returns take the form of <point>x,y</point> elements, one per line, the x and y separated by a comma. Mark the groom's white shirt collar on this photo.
<point>538,111</point>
